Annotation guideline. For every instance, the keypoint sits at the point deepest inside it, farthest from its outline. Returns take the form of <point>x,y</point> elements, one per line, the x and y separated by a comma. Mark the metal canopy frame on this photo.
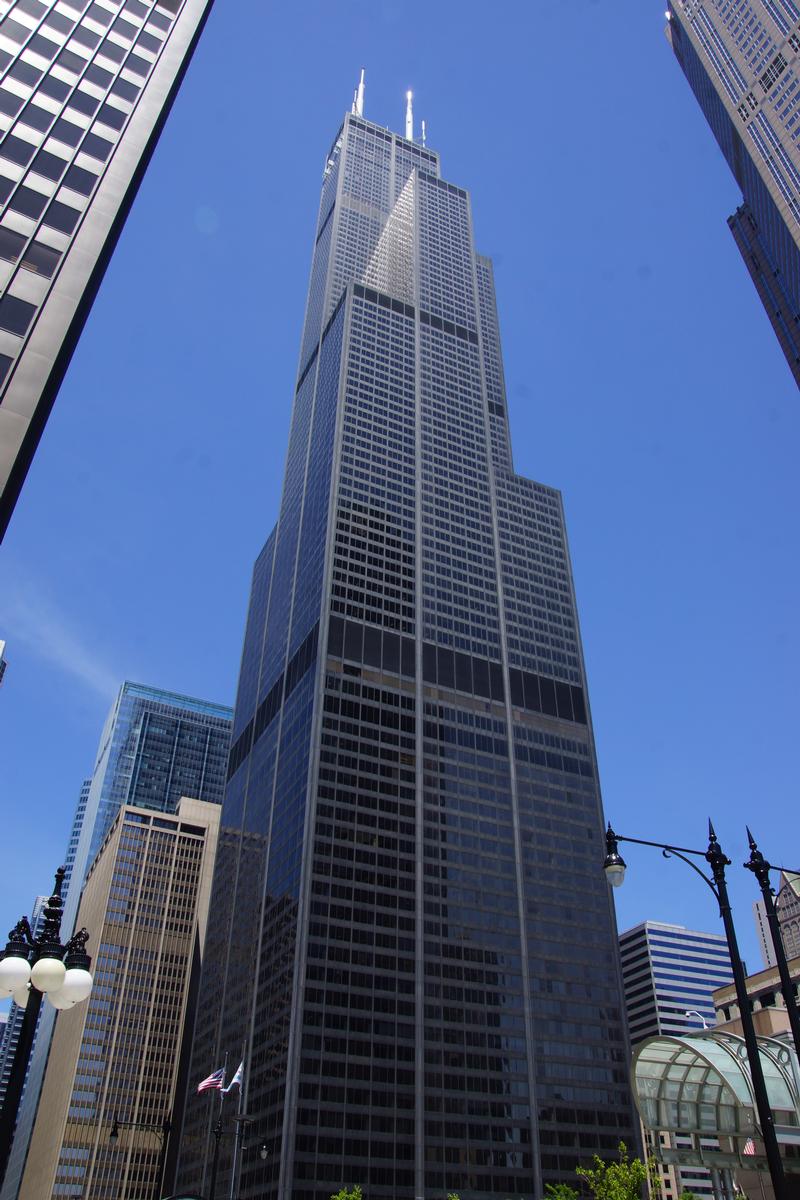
<point>699,1088</point>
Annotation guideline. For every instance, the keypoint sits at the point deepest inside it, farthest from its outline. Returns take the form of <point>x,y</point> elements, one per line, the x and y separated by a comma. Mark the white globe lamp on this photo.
<point>48,974</point>
<point>14,973</point>
<point>76,986</point>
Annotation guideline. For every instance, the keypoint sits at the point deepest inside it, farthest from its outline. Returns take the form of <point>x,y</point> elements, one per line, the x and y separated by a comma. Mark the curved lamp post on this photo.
<point>761,869</point>
<point>614,867</point>
<point>162,1132</point>
<point>33,967</point>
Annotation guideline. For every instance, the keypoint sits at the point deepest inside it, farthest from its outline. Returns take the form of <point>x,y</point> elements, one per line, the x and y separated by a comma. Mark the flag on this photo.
<point>214,1082</point>
<point>236,1081</point>
<point>749,1146</point>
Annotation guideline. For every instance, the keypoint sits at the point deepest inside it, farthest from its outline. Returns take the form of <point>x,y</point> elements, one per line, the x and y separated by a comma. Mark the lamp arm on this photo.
<point>672,852</point>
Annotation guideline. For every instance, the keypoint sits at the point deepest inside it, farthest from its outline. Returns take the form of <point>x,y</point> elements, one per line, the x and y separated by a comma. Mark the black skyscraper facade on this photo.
<point>410,929</point>
<point>85,89</point>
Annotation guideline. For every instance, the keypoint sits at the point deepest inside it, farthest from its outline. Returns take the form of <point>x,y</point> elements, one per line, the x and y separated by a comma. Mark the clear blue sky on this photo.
<point>643,378</point>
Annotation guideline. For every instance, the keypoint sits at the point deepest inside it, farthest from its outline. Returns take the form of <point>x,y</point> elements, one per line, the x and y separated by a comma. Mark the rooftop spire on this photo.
<point>409,116</point>
<point>423,131</point>
<point>358,97</point>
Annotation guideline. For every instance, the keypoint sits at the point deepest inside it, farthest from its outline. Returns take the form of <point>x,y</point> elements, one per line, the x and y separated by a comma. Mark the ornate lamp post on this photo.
<point>761,869</point>
<point>32,967</point>
<point>614,867</point>
<point>161,1130</point>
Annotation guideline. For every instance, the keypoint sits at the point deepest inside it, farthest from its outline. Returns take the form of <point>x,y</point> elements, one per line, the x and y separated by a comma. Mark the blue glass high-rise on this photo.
<point>410,930</point>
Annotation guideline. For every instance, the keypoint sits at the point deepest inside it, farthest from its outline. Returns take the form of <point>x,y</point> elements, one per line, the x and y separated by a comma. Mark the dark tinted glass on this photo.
<point>160,21</point>
<point>352,641</point>
<point>98,75</point>
<point>49,165</point>
<point>84,103</point>
<point>15,31</point>
<point>563,701</point>
<point>61,216</point>
<point>391,652</point>
<point>11,244</point>
<point>336,637</point>
<point>42,45</point>
<point>36,117</point>
<point>445,669</point>
<point>40,258</point>
<point>96,146</point>
<point>80,180</point>
<point>54,87</point>
<point>17,150</point>
<point>71,61</point>
<point>101,15</point>
<point>5,366</point>
<point>24,72</point>
<point>139,66</point>
<point>58,21</point>
<point>9,103</point>
<point>136,7</point>
<point>29,202</point>
<point>86,37</point>
<point>547,688</point>
<point>112,116</point>
<point>34,8</point>
<point>113,51</point>
<point>65,131</point>
<point>124,28</point>
<point>15,315</point>
<point>6,187</point>
<point>372,646</point>
<point>480,675</point>
<point>128,91</point>
<point>148,42</point>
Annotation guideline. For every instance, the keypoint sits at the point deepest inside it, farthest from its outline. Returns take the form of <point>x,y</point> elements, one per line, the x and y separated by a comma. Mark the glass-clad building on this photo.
<point>410,930</point>
<point>85,88</point>
<point>742,61</point>
<point>156,747</point>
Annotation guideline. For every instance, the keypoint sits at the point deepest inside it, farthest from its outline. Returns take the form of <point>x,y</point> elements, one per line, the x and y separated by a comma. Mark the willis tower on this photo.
<point>410,930</point>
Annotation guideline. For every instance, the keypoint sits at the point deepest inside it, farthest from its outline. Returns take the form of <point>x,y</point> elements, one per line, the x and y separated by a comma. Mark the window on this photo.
<point>80,180</point>
<point>17,150</point>
<point>26,200</point>
<point>42,259</point>
<point>49,165</point>
<point>61,216</point>
<point>15,315</point>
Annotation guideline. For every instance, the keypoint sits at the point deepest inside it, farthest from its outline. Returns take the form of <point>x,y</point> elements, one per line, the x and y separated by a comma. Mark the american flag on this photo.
<point>214,1082</point>
<point>749,1147</point>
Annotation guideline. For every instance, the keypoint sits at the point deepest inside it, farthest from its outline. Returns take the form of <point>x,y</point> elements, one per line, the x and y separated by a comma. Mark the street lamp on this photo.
<point>614,867</point>
<point>761,869</point>
<point>30,968</point>
<point>161,1130</point>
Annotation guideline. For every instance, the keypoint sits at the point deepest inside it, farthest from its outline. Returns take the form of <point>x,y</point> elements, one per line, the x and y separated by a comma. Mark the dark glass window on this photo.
<point>33,8</point>
<point>65,131</point>
<point>128,91</point>
<point>9,103</point>
<point>36,117</point>
<point>160,21</point>
<point>96,146</point>
<point>80,180</point>
<point>445,669</point>
<point>139,66</point>
<point>17,150</point>
<point>61,216</point>
<point>5,366</point>
<point>11,244</point>
<point>353,641</point>
<point>58,21</point>
<point>98,75</point>
<point>112,116</point>
<point>41,258</point>
<point>84,103</point>
<point>54,87</point>
<point>407,651</point>
<point>578,706</point>
<point>136,7</point>
<point>336,637</point>
<point>113,51</point>
<point>86,37</point>
<point>24,72</point>
<point>124,28</point>
<point>372,646</point>
<point>101,15</point>
<point>71,61</point>
<point>547,689</point>
<point>42,45</point>
<point>480,675</point>
<point>564,701</point>
<point>49,165</point>
<point>391,652</point>
<point>15,315</point>
<point>26,200</point>
<point>6,187</point>
<point>148,42</point>
<point>14,31</point>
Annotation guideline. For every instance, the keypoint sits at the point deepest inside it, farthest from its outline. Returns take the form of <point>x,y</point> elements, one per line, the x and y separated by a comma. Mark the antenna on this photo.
<point>359,96</point>
<point>409,117</point>
<point>354,105</point>
<point>423,132</point>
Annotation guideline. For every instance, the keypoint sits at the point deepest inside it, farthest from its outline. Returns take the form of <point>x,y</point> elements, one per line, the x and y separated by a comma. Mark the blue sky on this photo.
<point>643,380</point>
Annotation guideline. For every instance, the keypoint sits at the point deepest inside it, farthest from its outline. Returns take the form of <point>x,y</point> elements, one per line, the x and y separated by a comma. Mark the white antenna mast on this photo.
<point>359,96</point>
<point>409,117</point>
<point>423,133</point>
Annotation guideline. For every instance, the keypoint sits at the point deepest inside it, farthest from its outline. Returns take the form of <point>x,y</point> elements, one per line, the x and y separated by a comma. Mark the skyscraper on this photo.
<point>85,88</point>
<point>670,973</point>
<point>741,61</point>
<point>409,927</point>
<point>156,747</point>
<point>118,1056</point>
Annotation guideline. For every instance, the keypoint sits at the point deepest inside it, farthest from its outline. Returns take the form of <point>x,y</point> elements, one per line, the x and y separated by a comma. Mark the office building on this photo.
<point>787,907</point>
<point>85,88</point>
<point>670,974</point>
<point>763,934</point>
<point>770,1017</point>
<point>741,61</point>
<point>117,1056</point>
<point>409,928</point>
<point>11,1032</point>
<point>156,746</point>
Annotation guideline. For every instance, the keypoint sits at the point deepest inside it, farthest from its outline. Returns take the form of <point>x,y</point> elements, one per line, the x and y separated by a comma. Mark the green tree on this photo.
<point>343,1194</point>
<point>560,1191</point>
<point>621,1180</point>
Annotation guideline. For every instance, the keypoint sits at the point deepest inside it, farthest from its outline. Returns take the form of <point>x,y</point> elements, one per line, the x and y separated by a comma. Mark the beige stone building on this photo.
<point>145,904</point>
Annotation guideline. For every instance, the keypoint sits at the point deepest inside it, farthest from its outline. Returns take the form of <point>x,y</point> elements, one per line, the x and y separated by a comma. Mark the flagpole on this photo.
<point>236,1145</point>
<point>217,1132</point>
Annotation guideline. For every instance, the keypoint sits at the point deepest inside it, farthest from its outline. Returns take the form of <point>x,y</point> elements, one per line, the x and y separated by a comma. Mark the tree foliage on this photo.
<point>353,1194</point>
<point>560,1191</point>
<point>621,1180</point>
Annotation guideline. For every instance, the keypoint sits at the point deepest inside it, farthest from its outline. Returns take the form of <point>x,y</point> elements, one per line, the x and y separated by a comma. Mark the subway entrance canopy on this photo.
<point>699,1087</point>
